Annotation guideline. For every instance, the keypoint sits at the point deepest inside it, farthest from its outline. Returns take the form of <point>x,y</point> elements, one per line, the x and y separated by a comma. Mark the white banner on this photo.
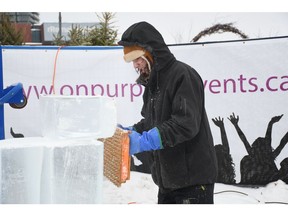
<point>247,78</point>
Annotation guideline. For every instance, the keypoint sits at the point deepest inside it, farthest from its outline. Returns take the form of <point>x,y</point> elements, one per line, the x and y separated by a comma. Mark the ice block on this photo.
<point>77,116</point>
<point>73,172</point>
<point>20,170</point>
<point>42,170</point>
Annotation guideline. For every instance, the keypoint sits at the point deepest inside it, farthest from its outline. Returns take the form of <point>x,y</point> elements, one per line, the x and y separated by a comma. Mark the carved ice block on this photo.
<point>78,116</point>
<point>73,172</point>
<point>41,170</point>
<point>21,167</point>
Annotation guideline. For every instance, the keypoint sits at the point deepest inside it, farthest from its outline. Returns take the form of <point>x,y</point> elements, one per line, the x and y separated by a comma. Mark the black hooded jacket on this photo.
<point>174,103</point>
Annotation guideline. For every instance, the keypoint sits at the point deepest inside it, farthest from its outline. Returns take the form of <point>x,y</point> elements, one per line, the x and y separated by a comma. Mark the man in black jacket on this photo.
<point>174,130</point>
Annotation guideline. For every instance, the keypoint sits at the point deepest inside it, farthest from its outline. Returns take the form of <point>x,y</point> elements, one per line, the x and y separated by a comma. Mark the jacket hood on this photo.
<point>145,35</point>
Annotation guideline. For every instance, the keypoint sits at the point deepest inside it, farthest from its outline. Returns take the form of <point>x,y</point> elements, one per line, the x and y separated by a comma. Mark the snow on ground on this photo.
<point>274,192</point>
<point>140,189</point>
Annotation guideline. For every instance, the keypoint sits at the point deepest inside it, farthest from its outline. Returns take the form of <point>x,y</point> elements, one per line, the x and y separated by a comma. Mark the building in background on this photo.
<point>45,33</point>
<point>27,23</point>
<point>50,30</point>
<point>24,17</point>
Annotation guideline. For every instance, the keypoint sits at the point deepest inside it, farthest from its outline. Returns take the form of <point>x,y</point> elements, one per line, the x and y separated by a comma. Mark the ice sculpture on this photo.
<point>66,164</point>
<point>20,165</point>
<point>78,116</point>
<point>73,172</point>
<point>41,170</point>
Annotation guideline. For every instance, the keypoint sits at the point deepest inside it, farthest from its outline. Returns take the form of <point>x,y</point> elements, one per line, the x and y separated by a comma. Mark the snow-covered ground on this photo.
<point>140,189</point>
<point>138,197</point>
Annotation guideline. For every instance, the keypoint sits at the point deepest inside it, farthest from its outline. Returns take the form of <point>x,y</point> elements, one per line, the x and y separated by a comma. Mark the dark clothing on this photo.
<point>198,194</point>
<point>174,103</point>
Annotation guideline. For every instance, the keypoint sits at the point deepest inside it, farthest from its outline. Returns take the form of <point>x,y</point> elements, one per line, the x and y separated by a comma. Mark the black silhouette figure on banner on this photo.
<point>226,170</point>
<point>283,172</point>
<point>15,135</point>
<point>258,167</point>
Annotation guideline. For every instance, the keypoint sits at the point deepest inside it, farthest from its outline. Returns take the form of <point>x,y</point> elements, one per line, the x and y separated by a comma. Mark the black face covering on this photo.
<point>144,76</point>
<point>142,80</point>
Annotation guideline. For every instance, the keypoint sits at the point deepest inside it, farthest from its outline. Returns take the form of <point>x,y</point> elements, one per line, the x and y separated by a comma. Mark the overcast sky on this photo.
<point>182,27</point>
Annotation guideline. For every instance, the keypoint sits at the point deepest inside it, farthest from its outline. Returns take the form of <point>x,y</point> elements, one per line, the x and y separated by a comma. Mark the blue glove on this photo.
<point>146,141</point>
<point>130,128</point>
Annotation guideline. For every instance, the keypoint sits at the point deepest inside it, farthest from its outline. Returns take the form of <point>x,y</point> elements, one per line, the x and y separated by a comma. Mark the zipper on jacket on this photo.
<point>154,98</point>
